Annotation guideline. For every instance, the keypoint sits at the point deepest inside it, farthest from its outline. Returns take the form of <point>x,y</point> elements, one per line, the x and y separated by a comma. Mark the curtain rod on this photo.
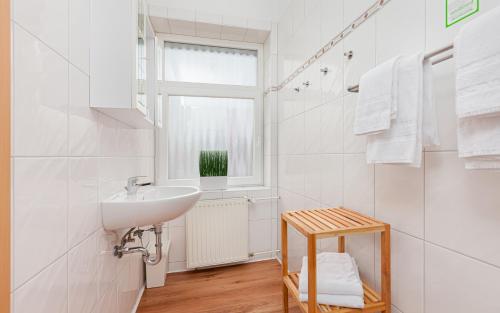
<point>426,57</point>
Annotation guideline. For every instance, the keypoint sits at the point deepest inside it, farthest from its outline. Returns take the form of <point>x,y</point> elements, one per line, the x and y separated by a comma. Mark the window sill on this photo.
<point>239,192</point>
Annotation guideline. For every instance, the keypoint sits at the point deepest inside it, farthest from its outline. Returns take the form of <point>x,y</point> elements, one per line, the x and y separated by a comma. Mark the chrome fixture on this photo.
<point>349,54</point>
<point>121,250</point>
<point>427,56</point>
<point>324,70</point>
<point>374,8</point>
<point>133,186</point>
<point>306,83</point>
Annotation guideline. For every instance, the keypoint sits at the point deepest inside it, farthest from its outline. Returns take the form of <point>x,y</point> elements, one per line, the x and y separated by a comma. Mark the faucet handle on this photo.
<point>132,183</point>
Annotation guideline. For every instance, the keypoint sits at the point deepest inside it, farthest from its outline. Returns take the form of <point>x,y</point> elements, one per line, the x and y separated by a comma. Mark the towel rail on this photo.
<point>427,56</point>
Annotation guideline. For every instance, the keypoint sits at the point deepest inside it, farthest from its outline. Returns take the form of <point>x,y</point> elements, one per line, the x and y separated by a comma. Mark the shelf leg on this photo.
<point>284,262</point>
<point>341,244</point>
<point>311,273</point>
<point>385,241</point>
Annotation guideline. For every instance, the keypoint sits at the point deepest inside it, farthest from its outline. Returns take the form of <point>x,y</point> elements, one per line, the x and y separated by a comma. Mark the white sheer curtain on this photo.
<point>203,123</point>
<point>210,123</point>
<point>209,64</point>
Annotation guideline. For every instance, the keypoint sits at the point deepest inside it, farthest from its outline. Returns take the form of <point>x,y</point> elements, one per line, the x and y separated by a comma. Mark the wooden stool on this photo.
<point>335,222</point>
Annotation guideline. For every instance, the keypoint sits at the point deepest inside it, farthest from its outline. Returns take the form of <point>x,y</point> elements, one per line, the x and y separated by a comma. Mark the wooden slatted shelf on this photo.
<point>334,222</point>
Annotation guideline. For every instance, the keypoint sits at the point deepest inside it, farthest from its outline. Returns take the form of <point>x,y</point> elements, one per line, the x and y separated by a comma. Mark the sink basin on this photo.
<point>150,206</point>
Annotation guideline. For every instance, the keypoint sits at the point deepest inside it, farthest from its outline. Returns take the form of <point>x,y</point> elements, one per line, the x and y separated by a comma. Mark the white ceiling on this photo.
<point>270,10</point>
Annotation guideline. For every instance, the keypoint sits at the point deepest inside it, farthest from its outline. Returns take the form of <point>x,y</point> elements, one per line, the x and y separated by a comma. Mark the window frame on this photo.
<point>172,88</point>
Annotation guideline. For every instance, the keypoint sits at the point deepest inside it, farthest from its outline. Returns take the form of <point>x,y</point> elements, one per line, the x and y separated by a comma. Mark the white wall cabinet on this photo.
<point>122,57</point>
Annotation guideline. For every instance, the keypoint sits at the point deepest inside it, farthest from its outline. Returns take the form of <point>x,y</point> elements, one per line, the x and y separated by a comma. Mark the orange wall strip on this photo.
<point>5,156</point>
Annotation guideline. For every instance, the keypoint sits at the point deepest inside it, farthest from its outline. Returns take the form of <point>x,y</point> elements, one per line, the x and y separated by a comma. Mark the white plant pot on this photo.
<point>213,183</point>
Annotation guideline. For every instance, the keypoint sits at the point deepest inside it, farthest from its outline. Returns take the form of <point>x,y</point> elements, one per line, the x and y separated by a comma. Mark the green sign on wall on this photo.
<point>457,10</point>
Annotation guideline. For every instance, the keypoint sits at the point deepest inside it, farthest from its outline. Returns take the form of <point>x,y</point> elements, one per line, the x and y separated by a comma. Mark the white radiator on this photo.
<point>217,232</point>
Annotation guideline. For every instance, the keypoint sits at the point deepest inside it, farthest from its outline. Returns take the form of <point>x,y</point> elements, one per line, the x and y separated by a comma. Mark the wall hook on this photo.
<point>306,84</point>
<point>349,54</point>
<point>297,89</point>
<point>324,70</point>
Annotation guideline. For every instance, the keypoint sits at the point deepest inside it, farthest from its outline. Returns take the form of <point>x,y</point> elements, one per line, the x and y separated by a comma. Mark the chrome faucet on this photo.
<point>133,186</point>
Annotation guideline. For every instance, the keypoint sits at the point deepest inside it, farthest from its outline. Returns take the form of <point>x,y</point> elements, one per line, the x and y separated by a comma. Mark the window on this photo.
<point>214,102</point>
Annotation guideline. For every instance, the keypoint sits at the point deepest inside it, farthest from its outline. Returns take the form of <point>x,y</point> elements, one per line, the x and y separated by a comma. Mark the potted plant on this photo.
<point>213,170</point>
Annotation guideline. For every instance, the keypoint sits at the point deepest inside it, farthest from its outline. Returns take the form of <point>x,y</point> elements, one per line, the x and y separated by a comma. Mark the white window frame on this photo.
<point>170,88</point>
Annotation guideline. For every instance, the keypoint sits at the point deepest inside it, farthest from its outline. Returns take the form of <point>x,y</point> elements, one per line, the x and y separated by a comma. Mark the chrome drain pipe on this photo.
<point>121,250</point>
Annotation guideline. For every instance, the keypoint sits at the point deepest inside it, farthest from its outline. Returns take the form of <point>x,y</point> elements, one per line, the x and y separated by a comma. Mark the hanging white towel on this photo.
<point>337,274</point>
<point>402,143</point>
<point>377,103</point>
<point>479,141</point>
<point>477,61</point>
<point>477,54</point>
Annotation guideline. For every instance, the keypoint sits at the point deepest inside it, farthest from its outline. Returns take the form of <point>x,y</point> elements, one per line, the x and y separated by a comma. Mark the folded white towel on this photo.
<point>477,61</point>
<point>336,274</point>
<point>338,300</point>
<point>402,143</point>
<point>377,103</point>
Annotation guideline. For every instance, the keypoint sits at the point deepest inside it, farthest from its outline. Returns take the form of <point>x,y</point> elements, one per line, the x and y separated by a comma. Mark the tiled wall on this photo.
<point>445,220</point>
<point>65,157</point>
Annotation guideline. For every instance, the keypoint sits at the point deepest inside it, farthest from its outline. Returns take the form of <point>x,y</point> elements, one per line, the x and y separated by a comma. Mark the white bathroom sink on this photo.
<point>150,206</point>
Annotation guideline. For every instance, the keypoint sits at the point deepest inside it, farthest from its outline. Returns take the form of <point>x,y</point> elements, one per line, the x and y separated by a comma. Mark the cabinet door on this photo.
<point>142,58</point>
<point>111,54</point>
<point>151,89</point>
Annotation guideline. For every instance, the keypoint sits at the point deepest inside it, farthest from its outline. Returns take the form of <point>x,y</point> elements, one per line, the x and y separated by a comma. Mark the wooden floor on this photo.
<point>247,288</point>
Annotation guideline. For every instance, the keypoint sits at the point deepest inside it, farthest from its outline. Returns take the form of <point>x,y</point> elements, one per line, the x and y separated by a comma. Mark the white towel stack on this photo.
<point>337,280</point>
<point>403,86</point>
<point>477,54</point>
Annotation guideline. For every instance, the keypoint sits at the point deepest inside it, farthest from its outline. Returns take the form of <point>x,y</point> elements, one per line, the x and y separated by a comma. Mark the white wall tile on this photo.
<point>82,276</point>
<point>46,293</point>
<point>291,173</point>
<point>312,176</point>
<point>455,283</point>
<point>331,124</point>
<point>407,271</point>
<point>362,249</point>
<point>353,9</point>
<point>260,210</point>
<point>106,263</point>
<point>177,236</point>
<point>358,184</point>
<point>55,200</point>
<point>408,37</point>
<point>40,202</point>
<point>259,235</point>
<point>83,121</point>
<point>46,19</point>
<point>331,19</point>
<point>331,179</point>
<point>438,35</point>
<point>83,208</point>
<point>79,34</point>
<point>352,143</point>
<point>399,197</point>
<point>458,199</point>
<point>312,128</point>
<point>40,113</point>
